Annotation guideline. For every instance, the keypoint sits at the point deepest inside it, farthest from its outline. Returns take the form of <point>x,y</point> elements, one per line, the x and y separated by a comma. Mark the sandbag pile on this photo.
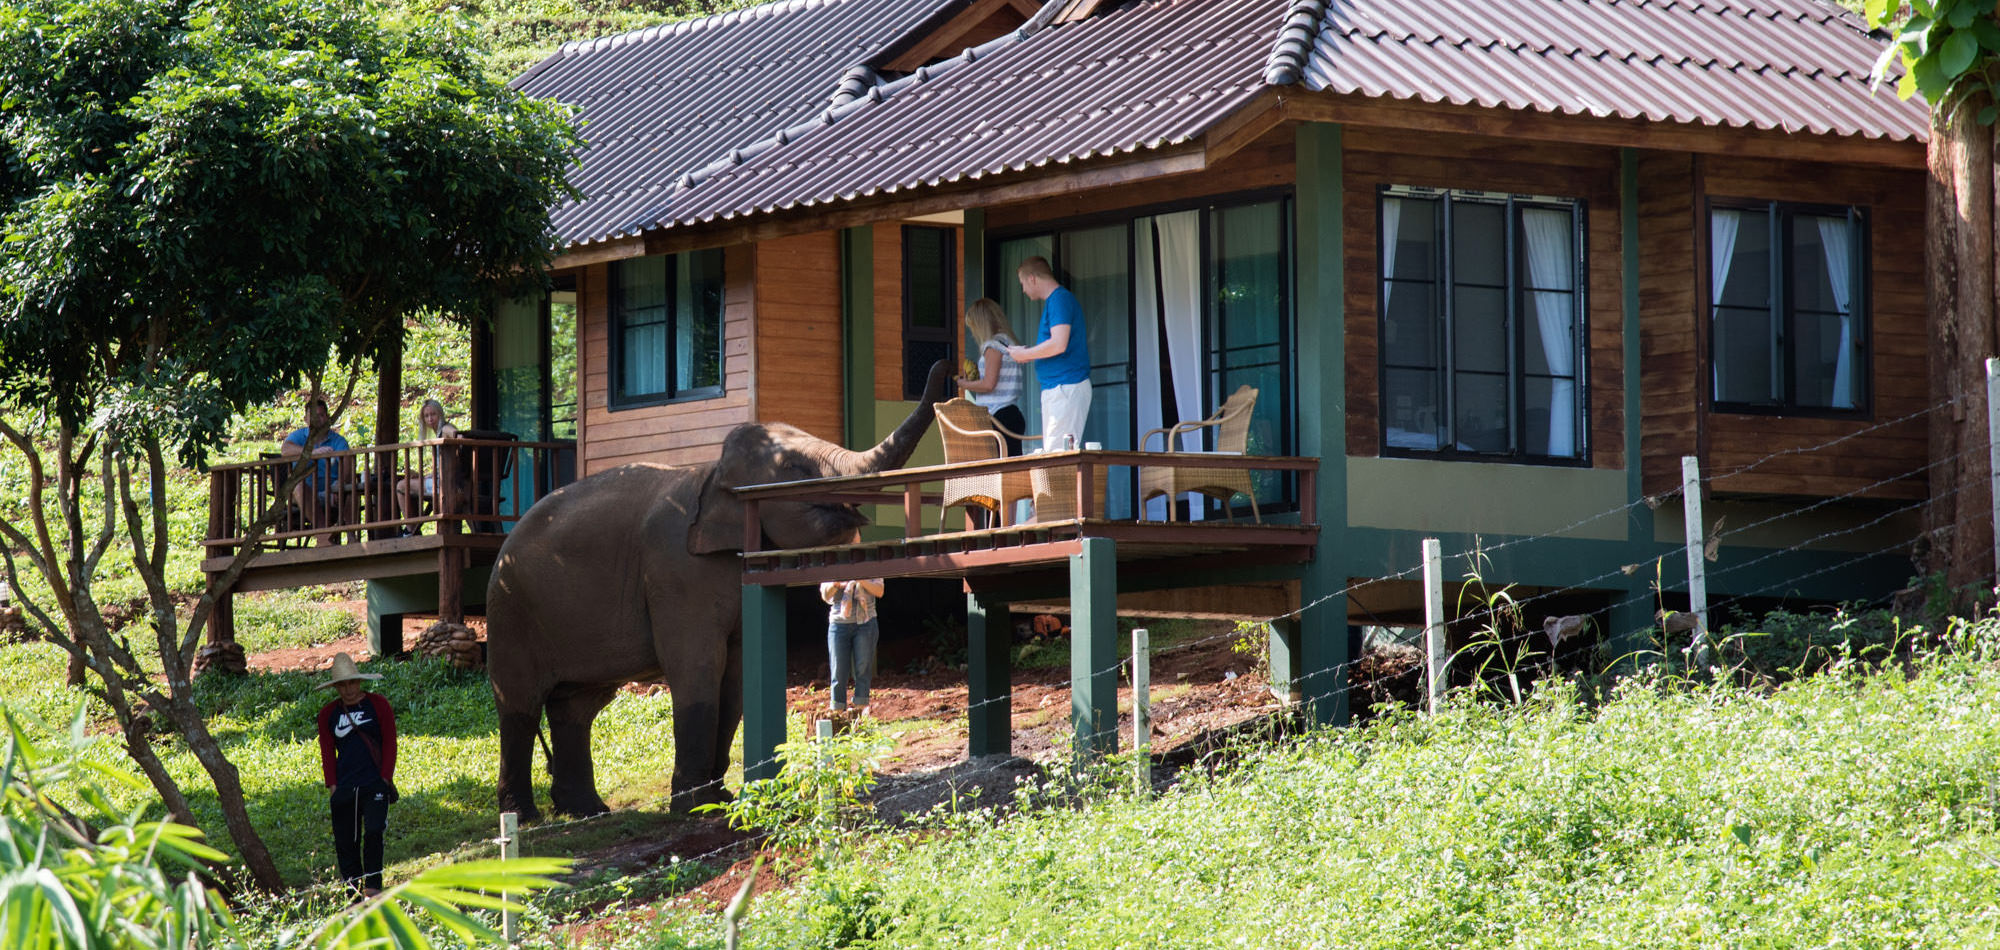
<point>454,643</point>
<point>226,658</point>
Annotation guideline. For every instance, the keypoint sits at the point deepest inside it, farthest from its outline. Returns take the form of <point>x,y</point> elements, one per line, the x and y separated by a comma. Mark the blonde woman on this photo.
<point>998,385</point>
<point>416,491</point>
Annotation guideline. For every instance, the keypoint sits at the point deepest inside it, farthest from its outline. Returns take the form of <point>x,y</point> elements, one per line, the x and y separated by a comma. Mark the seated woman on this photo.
<point>417,490</point>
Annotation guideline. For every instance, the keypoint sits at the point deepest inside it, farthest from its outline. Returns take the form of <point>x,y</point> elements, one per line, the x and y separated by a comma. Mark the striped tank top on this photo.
<point>1009,388</point>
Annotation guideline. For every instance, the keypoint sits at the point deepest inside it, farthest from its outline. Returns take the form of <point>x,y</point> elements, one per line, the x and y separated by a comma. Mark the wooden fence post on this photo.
<point>1993,452</point>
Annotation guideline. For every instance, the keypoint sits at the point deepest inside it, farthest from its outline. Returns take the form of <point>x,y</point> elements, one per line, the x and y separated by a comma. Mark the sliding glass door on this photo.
<point>1181,307</point>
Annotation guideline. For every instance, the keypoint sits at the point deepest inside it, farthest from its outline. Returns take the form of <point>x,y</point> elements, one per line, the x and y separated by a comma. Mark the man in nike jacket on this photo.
<point>357,751</point>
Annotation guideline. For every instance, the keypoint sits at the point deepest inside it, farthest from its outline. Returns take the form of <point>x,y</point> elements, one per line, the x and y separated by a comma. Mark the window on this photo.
<point>1788,325</point>
<point>666,328</point>
<point>1482,325</point>
<point>1180,306</point>
<point>930,303</point>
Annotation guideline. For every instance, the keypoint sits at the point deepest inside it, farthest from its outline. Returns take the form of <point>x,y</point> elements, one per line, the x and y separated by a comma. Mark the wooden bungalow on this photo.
<point>1494,269</point>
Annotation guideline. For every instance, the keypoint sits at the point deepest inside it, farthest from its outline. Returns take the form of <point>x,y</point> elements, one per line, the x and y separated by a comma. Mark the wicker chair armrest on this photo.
<point>1184,428</point>
<point>1002,428</point>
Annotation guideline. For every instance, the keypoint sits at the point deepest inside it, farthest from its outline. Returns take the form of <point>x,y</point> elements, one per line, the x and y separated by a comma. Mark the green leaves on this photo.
<point>1944,48</point>
<point>439,896</point>
<point>214,194</point>
<point>60,890</point>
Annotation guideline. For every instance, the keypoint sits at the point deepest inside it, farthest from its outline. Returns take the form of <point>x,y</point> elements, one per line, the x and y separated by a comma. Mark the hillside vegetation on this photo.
<point>1847,809</point>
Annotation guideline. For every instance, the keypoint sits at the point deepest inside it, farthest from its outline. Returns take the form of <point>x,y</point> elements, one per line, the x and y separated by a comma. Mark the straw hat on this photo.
<point>343,670</point>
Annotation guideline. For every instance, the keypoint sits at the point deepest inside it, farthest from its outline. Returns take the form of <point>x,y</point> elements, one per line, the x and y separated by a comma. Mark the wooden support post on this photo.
<point>763,679</point>
<point>1283,658</point>
<point>510,824</point>
<point>1142,711</point>
<point>451,583</point>
<point>1993,452</point>
<point>913,510</point>
<point>1436,648</point>
<point>989,694</point>
<point>1697,565</point>
<point>388,427</point>
<point>1093,648</point>
<point>1322,676</point>
<point>222,619</point>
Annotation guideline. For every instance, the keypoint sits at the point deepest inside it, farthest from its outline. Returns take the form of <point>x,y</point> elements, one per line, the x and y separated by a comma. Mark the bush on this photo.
<point>1783,645</point>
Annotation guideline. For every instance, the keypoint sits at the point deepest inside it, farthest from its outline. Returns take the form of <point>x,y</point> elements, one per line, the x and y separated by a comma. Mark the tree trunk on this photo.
<point>1959,251</point>
<point>228,795</point>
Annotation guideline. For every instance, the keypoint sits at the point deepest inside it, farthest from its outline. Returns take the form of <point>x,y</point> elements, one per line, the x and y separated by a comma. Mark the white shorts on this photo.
<point>1065,409</point>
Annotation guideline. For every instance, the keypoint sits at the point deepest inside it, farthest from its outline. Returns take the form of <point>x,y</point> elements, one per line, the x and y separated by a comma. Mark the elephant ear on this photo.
<point>717,526</point>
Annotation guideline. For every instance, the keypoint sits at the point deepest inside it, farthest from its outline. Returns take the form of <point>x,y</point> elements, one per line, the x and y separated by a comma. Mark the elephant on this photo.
<point>635,572</point>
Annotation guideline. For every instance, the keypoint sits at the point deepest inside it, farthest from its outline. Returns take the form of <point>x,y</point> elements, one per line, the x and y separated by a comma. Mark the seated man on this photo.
<point>323,496</point>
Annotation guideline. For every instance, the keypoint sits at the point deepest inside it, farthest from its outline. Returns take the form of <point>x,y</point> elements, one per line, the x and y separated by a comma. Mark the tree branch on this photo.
<point>109,529</point>
<point>46,561</point>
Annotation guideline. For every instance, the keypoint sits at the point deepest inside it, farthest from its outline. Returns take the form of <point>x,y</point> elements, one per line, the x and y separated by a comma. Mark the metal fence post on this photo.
<point>509,849</point>
<point>1435,648</point>
<point>1697,569</point>
<point>1142,710</point>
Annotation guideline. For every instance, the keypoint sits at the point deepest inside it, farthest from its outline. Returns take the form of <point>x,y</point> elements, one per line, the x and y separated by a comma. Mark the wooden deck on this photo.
<point>269,528</point>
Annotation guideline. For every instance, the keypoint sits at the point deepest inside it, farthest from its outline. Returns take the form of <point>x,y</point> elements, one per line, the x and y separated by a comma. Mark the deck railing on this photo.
<point>1076,478</point>
<point>384,491</point>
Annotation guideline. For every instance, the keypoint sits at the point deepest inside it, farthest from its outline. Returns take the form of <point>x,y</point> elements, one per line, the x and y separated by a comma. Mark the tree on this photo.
<point>1947,50</point>
<point>205,201</point>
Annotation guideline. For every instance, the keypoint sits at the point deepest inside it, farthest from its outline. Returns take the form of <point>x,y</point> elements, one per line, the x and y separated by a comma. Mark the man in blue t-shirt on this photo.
<point>323,496</point>
<point>1064,370</point>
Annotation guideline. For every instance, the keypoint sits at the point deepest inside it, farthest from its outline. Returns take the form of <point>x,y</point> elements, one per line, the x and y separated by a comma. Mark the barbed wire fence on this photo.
<point>1337,673</point>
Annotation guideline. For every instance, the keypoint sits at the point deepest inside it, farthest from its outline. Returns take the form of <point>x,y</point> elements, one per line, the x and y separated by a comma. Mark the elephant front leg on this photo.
<point>697,775</point>
<point>572,773</point>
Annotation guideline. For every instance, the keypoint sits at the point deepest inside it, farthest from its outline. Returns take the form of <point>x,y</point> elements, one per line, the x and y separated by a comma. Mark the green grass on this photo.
<point>1834,811</point>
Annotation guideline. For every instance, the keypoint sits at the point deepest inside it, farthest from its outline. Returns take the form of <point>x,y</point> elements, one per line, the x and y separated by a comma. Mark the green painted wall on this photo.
<point>1486,498</point>
<point>857,332</point>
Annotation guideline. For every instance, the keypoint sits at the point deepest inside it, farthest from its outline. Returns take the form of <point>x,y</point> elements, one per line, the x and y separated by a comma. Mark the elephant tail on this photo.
<point>543,735</point>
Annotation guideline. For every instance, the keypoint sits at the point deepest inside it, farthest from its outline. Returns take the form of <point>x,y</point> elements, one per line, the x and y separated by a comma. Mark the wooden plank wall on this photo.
<point>1785,450</point>
<point>797,326</point>
<point>1376,157</point>
<point>677,433</point>
<point>888,256</point>
<point>1669,335</point>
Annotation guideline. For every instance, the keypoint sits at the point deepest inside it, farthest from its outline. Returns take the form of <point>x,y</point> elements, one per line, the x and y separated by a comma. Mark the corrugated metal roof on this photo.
<point>1153,74</point>
<point>1789,65</point>
<point>659,102</point>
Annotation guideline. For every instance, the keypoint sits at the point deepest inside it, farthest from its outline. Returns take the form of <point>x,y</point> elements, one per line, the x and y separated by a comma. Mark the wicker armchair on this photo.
<point>1232,435</point>
<point>971,435</point>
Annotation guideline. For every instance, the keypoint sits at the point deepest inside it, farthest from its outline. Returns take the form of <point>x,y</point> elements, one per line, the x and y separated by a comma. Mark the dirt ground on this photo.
<point>1202,691</point>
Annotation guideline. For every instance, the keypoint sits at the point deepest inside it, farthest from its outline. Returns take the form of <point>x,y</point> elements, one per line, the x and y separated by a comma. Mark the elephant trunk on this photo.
<point>893,451</point>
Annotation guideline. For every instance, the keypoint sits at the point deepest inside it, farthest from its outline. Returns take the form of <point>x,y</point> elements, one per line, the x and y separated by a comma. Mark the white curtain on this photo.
<point>1168,282</point>
<point>1722,225</point>
<point>1392,225</point>
<point>1549,267</point>
<point>1833,235</point>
